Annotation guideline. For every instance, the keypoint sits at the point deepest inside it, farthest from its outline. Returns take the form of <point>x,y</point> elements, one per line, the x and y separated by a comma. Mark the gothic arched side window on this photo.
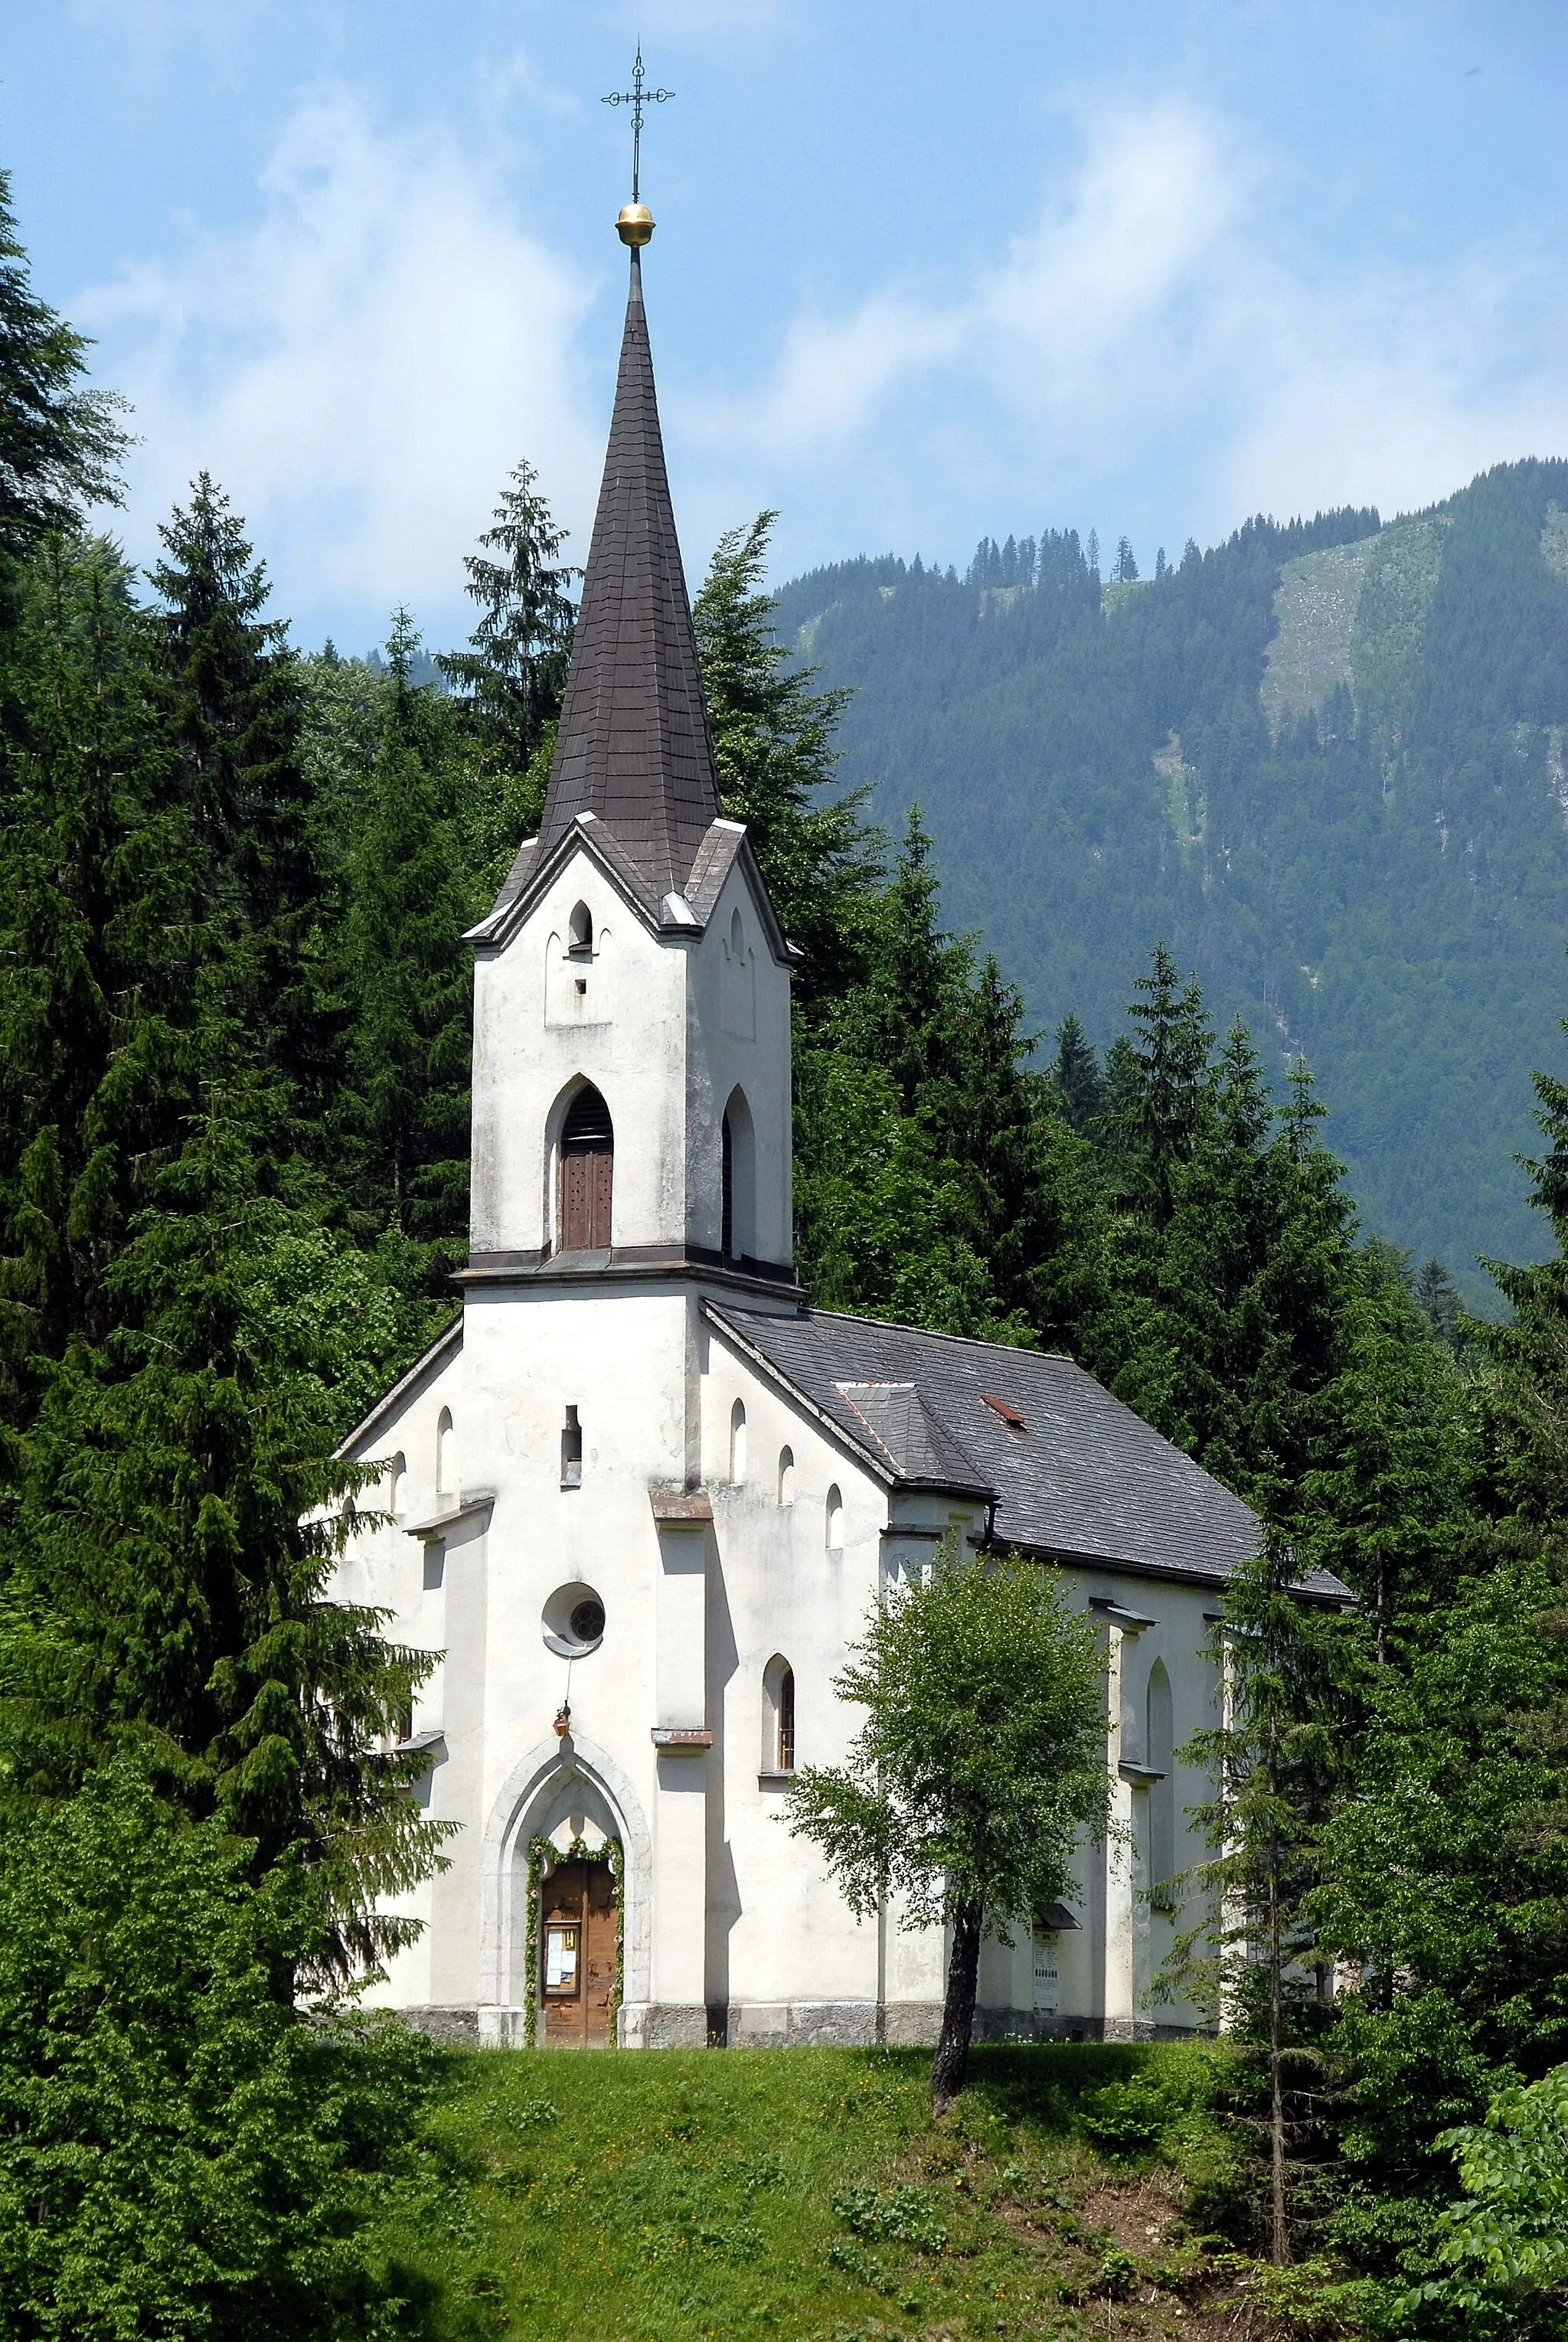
<point>1159,1755</point>
<point>737,1443</point>
<point>587,1174</point>
<point>786,1476</point>
<point>737,1178</point>
<point>778,1716</point>
<point>834,1524</point>
<point>445,1455</point>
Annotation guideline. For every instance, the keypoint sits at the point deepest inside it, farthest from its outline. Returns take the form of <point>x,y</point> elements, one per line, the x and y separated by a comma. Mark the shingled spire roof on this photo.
<point>634,747</point>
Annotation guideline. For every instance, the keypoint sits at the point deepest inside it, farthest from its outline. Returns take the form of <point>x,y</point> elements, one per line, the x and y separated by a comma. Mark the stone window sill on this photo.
<point>776,1780</point>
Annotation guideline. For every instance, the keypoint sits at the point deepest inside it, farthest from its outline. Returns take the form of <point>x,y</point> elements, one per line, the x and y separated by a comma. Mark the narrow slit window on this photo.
<point>445,1455</point>
<point>786,1477</point>
<point>835,1520</point>
<point>580,933</point>
<point>786,1721</point>
<point>571,1451</point>
<point>727,1191</point>
<point>737,1443</point>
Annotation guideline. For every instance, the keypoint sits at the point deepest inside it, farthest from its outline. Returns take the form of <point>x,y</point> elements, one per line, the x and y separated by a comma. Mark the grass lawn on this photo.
<point>659,2195</point>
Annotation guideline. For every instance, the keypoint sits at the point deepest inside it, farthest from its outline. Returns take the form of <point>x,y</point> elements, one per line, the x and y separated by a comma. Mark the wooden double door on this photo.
<point>577,1955</point>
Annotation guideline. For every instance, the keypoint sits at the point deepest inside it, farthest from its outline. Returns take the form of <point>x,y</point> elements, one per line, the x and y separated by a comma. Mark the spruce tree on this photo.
<point>1080,1087</point>
<point>176,1519</point>
<point>408,979</point>
<point>511,678</point>
<point>60,444</point>
<point>232,711</point>
<point>1290,1668</point>
<point>772,739</point>
<point>97,928</point>
<point>508,683</point>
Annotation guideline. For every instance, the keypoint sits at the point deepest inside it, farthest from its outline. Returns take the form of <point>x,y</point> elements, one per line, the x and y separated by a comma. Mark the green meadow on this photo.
<point>807,2193</point>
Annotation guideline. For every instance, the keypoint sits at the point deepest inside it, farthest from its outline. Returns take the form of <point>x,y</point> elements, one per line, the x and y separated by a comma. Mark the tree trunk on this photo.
<point>1279,2240</point>
<point>950,2067</point>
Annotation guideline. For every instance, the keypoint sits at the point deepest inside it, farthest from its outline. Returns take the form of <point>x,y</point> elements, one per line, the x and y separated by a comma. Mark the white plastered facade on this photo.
<point>727,1528</point>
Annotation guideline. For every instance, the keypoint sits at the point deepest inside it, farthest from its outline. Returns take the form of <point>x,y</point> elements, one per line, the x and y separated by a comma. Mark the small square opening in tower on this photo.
<point>571,1451</point>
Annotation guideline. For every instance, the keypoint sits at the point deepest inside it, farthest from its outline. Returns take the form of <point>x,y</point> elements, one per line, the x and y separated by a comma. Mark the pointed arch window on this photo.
<point>445,1455</point>
<point>737,1180</point>
<point>778,1716</point>
<point>737,1443</point>
<point>834,1524</point>
<point>587,1174</point>
<point>786,1477</point>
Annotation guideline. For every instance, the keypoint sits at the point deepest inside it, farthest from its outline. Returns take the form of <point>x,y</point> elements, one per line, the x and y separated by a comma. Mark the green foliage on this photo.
<point>773,746</point>
<point>408,976</point>
<point>979,1766</point>
<point>978,1763</point>
<point>182,2152</point>
<point>60,444</point>
<point>891,2216</point>
<point>801,2193</point>
<point>174,1523</point>
<point>510,680</point>
<point>1374,873</point>
<point>1508,2239</point>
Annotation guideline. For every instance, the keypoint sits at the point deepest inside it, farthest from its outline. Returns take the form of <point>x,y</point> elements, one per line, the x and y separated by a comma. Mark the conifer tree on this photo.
<point>60,444</point>
<point>508,683</point>
<point>1080,1087</point>
<point>772,739</point>
<point>96,937</point>
<point>409,980</point>
<point>231,712</point>
<point>1289,1666</point>
<point>175,1524</point>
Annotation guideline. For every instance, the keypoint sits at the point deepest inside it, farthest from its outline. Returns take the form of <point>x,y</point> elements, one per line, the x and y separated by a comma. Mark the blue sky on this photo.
<point>922,272</point>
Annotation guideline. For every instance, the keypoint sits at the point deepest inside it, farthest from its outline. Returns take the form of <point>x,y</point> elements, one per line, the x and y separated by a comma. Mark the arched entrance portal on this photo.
<point>577,1929</point>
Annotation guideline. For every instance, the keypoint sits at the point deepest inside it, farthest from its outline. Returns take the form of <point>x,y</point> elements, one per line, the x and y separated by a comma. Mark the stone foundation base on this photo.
<point>455,2028</point>
<point>790,2025</point>
<point>663,2025</point>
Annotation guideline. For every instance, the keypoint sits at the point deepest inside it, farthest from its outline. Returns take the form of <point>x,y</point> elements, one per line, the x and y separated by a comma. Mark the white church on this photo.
<point>643,1495</point>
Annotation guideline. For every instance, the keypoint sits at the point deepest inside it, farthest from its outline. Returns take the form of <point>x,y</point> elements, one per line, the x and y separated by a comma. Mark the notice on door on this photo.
<point>1047,1978</point>
<point>561,1959</point>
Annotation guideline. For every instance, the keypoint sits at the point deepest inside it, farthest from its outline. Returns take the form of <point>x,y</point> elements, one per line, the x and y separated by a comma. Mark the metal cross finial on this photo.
<point>636,97</point>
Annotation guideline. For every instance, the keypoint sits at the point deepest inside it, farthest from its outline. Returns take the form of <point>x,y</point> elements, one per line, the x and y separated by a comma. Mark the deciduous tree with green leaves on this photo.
<point>979,1765</point>
<point>182,2151</point>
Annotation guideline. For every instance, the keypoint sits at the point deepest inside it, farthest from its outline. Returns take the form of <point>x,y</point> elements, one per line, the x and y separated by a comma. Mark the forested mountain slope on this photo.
<point>1325,762</point>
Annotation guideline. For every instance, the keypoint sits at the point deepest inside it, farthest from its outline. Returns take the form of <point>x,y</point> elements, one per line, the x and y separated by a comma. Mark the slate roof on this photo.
<point>632,746</point>
<point>1082,1477</point>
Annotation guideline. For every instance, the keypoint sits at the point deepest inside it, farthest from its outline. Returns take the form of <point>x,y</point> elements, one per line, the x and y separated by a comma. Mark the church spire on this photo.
<point>634,747</point>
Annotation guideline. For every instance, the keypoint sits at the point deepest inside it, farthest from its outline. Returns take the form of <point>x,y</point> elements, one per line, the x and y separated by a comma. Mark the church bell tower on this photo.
<point>631,1013</point>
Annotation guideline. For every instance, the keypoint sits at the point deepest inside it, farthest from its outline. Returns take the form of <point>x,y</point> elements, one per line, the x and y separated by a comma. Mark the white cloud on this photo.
<point>360,367</point>
<point>1156,347</point>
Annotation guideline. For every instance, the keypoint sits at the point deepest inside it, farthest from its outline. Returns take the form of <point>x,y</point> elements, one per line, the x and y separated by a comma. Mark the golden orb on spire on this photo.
<point>634,224</point>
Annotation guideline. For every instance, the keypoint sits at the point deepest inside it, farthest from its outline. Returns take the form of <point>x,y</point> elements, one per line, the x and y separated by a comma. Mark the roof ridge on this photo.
<point>930,1334</point>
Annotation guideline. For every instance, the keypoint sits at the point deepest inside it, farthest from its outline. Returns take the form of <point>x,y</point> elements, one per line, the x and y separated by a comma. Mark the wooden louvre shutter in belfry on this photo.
<point>587,1174</point>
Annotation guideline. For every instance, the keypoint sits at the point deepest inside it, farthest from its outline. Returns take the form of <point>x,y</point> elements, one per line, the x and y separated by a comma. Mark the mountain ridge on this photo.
<point>1322,760</point>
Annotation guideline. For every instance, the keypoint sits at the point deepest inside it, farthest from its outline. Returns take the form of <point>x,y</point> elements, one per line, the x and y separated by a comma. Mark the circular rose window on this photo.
<point>573,1621</point>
